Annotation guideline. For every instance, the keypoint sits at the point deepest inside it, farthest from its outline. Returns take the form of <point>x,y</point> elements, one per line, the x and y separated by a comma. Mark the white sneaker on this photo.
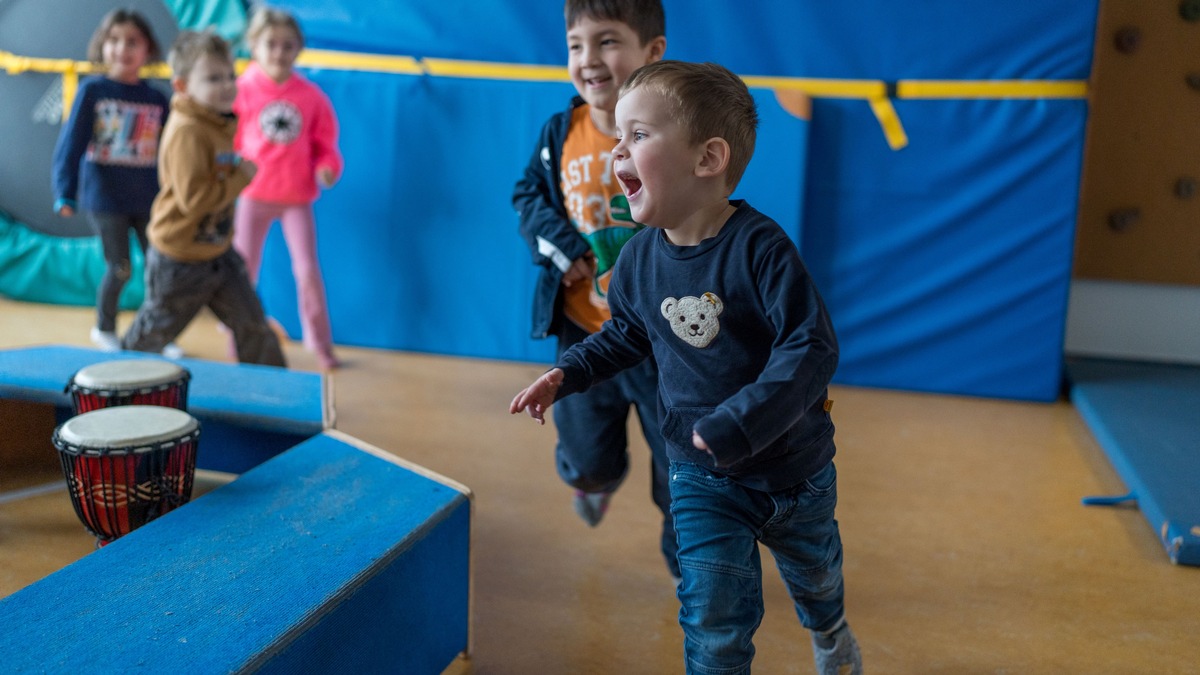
<point>172,351</point>
<point>106,340</point>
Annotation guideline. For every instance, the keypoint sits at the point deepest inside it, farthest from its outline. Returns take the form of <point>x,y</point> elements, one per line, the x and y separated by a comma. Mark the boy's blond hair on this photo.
<point>645,17</point>
<point>191,46</point>
<point>707,101</point>
<point>269,17</point>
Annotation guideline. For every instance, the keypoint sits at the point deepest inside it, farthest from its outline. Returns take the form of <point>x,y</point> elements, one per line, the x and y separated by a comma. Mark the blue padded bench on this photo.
<point>333,557</point>
<point>248,413</point>
<point>1144,417</point>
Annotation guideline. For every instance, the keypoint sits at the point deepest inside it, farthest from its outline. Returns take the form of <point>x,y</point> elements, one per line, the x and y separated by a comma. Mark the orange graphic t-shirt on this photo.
<point>598,209</point>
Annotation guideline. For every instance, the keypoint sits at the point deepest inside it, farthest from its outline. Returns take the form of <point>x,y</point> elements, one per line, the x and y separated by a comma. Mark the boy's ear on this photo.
<point>657,48</point>
<point>714,157</point>
<point>178,85</point>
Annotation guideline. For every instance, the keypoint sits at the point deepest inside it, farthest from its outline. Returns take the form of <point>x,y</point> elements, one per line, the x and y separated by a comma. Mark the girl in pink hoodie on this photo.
<point>287,126</point>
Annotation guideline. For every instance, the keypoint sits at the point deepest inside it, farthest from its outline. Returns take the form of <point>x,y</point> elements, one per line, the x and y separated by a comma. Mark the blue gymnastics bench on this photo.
<point>332,557</point>
<point>248,413</point>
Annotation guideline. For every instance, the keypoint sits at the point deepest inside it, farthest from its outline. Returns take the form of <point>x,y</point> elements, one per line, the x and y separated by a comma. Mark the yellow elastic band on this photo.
<point>15,65</point>
<point>875,92</point>
<point>991,89</point>
<point>495,71</point>
<point>319,58</point>
<point>70,84</point>
<point>893,131</point>
<point>865,89</point>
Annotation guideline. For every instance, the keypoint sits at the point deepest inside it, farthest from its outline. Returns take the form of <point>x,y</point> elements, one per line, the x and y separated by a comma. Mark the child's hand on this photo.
<point>325,177</point>
<point>66,211</point>
<point>701,445</point>
<point>583,268</point>
<point>249,167</point>
<point>539,396</point>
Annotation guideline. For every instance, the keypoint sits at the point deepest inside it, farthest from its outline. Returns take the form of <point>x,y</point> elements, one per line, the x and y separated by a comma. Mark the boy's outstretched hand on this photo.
<point>539,396</point>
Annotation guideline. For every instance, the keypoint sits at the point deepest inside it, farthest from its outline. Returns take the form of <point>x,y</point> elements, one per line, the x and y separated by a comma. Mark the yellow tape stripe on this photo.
<point>875,92</point>
<point>407,65</point>
<point>495,71</point>
<point>991,89</point>
<point>817,88</point>
<point>318,58</point>
<point>70,84</point>
<point>15,65</point>
<point>893,131</point>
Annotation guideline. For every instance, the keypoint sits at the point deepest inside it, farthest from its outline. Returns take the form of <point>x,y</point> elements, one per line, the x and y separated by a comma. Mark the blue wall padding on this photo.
<point>873,39</point>
<point>491,30</point>
<point>248,413</point>
<point>1143,416</point>
<point>324,555</point>
<point>946,264</point>
<point>949,275</point>
<point>419,244</point>
<point>882,40</point>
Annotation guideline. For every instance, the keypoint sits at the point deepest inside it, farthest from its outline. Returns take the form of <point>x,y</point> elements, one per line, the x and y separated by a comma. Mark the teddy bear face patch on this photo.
<point>693,319</point>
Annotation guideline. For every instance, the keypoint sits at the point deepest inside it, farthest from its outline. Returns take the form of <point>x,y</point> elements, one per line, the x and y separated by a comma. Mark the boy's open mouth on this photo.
<point>597,81</point>
<point>630,183</point>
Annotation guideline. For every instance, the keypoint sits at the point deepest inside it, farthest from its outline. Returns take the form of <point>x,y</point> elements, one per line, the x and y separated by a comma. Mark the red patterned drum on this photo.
<point>129,382</point>
<point>127,465</point>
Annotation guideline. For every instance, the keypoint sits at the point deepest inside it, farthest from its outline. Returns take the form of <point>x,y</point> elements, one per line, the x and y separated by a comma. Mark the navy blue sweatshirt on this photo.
<point>544,224</point>
<point>107,153</point>
<point>744,345</point>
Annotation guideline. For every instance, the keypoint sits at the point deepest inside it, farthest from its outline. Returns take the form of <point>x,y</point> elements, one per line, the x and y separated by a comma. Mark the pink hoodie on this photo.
<point>289,130</point>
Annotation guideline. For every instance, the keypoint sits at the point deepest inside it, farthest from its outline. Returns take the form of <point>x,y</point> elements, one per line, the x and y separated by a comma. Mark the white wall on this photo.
<point>1147,322</point>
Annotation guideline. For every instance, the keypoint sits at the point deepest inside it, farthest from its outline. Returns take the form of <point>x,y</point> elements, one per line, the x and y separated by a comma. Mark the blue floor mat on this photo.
<point>1146,417</point>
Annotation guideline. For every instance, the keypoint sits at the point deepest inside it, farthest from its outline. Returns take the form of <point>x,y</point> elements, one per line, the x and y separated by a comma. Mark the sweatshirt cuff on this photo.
<point>724,438</point>
<point>575,380</point>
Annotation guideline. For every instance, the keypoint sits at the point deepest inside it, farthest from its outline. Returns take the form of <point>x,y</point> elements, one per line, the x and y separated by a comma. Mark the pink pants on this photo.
<point>252,222</point>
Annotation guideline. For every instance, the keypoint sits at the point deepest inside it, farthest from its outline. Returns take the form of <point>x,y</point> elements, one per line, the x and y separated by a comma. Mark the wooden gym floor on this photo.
<point>967,549</point>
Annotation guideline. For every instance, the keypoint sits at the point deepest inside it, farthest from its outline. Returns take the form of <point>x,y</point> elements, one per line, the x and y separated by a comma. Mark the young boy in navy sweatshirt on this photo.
<point>718,295</point>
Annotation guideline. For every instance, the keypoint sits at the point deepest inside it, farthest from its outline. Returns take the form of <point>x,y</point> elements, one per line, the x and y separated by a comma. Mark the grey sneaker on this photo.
<point>837,654</point>
<point>591,506</point>
<point>172,351</point>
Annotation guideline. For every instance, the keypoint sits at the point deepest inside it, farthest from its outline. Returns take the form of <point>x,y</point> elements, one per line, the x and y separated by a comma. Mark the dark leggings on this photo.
<point>113,229</point>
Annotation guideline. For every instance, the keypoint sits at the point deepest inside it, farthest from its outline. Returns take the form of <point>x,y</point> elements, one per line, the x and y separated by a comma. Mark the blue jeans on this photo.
<point>719,524</point>
<point>593,449</point>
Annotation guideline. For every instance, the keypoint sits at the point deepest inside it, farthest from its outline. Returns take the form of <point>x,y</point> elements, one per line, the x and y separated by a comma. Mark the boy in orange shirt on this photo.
<point>575,219</point>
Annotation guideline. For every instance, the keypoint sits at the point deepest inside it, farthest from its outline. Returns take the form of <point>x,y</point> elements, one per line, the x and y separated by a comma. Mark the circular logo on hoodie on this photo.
<point>280,122</point>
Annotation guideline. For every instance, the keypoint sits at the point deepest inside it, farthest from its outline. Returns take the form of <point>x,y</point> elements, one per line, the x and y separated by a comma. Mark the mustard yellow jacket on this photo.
<point>199,180</point>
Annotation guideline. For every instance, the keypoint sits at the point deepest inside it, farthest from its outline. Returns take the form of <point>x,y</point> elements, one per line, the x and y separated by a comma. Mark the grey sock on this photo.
<point>837,653</point>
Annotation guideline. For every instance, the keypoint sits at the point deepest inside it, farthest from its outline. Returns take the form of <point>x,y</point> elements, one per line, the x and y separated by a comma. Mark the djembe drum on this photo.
<point>129,382</point>
<point>127,465</point>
